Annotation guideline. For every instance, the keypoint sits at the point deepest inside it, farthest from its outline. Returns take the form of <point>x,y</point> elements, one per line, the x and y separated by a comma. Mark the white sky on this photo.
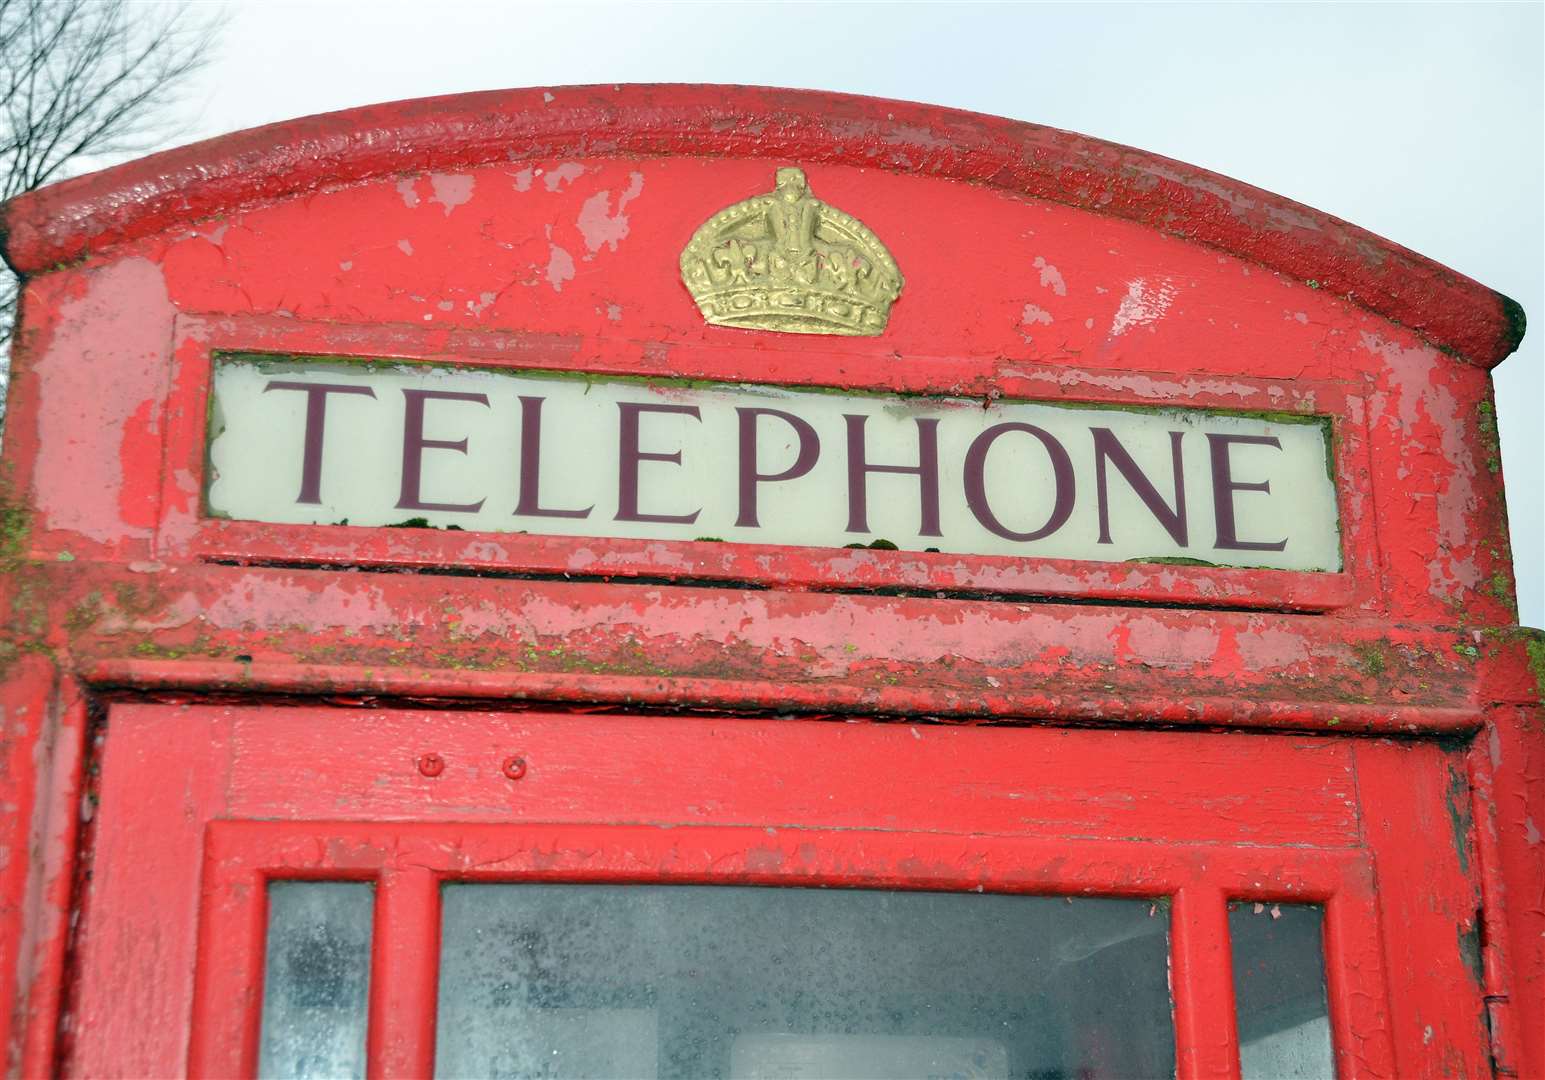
<point>1423,123</point>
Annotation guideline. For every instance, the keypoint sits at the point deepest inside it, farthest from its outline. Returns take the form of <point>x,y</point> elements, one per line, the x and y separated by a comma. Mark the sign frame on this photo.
<point>200,341</point>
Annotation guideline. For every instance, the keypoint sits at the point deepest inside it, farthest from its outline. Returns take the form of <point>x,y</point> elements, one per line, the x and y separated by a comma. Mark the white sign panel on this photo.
<point>357,443</point>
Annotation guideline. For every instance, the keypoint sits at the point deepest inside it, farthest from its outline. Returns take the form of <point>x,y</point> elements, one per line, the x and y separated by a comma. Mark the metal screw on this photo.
<point>515,767</point>
<point>431,764</point>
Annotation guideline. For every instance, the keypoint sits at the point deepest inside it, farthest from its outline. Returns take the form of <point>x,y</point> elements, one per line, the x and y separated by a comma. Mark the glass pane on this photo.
<point>316,979</point>
<point>1279,991</point>
<point>728,981</point>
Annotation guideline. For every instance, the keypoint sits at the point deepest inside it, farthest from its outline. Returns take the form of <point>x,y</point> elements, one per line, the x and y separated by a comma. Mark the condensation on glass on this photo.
<point>316,979</point>
<point>1279,991</point>
<point>730,981</point>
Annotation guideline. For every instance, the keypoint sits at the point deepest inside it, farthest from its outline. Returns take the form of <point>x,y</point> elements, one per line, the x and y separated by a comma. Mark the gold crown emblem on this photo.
<point>787,261</point>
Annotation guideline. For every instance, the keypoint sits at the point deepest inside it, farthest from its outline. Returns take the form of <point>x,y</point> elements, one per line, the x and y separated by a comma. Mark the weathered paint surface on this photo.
<point>745,801</point>
<point>533,230</point>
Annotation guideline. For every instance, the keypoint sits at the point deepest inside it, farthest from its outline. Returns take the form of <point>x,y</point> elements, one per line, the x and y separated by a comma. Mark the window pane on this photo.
<point>728,981</point>
<point>316,979</point>
<point>1279,990</point>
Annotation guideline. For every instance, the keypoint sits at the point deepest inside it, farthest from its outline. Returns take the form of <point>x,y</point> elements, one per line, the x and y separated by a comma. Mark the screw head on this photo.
<point>431,764</point>
<point>515,767</point>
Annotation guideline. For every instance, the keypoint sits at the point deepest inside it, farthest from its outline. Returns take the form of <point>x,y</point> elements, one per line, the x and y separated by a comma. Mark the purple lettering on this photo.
<point>1224,485</point>
<point>926,470</point>
<point>1106,448</point>
<point>629,456</point>
<point>414,444</point>
<point>316,421</point>
<point>976,482</point>
<point>530,503</point>
<point>804,461</point>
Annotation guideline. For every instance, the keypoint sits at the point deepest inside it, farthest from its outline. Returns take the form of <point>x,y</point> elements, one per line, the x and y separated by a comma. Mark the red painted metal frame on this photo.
<point>111,583</point>
<point>38,934</point>
<point>314,792</point>
<point>408,863</point>
<point>347,684</point>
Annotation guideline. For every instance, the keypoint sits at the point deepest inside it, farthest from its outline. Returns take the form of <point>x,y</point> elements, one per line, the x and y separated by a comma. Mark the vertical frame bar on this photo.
<point>57,828</point>
<point>232,943</point>
<point>1202,969</point>
<point>404,975</point>
<point>27,696</point>
<point>1355,987</point>
<point>228,982</point>
<point>1416,827</point>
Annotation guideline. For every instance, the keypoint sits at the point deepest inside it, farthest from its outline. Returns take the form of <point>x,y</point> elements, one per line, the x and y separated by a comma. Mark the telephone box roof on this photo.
<point>87,214</point>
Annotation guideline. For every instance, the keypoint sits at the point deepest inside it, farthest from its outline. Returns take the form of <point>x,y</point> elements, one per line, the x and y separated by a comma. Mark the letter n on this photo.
<point>1106,448</point>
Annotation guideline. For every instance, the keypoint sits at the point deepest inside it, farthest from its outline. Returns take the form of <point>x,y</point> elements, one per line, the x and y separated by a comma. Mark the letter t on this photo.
<point>316,421</point>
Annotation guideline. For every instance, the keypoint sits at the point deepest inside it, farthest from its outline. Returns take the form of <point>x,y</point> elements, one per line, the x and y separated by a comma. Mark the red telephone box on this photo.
<point>681,581</point>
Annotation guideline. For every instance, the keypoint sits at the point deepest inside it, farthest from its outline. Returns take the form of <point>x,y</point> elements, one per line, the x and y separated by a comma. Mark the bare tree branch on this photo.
<point>80,81</point>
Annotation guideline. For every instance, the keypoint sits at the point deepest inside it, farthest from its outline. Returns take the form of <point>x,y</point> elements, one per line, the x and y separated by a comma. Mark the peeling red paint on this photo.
<point>1039,266</point>
<point>120,325</point>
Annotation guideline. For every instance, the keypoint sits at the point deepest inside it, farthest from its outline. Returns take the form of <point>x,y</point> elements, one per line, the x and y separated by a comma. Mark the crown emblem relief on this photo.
<point>788,262</point>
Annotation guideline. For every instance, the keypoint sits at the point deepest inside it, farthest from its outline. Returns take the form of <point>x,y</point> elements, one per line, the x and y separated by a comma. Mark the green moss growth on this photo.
<point>15,526</point>
<point>1371,658</point>
<point>1534,645</point>
<point>84,615</point>
<point>1501,588</point>
<point>1486,425</point>
<point>151,650</point>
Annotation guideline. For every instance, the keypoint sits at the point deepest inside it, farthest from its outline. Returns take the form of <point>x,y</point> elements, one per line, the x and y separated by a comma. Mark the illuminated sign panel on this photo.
<point>385,443</point>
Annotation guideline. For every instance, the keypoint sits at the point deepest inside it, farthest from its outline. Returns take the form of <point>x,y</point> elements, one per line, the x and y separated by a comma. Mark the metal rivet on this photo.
<point>515,767</point>
<point>431,764</point>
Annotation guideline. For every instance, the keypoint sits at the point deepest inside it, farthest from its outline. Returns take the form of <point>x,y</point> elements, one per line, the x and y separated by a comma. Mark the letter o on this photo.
<point>976,482</point>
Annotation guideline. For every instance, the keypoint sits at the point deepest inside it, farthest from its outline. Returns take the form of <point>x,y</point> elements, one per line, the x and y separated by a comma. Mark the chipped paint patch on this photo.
<point>1438,461</point>
<point>1051,278</point>
<point>409,192</point>
<point>1143,304</point>
<point>1162,643</point>
<point>566,173</point>
<point>1267,650</point>
<point>277,604</point>
<point>1154,388</point>
<point>105,366</point>
<point>451,190</point>
<point>1032,316</point>
<point>560,266</point>
<point>599,225</point>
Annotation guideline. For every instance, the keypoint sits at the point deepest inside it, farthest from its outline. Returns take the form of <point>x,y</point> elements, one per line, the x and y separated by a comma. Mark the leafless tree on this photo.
<point>82,82</point>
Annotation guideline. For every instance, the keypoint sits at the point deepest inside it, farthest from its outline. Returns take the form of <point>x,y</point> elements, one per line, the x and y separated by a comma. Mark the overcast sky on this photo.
<point>1422,122</point>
